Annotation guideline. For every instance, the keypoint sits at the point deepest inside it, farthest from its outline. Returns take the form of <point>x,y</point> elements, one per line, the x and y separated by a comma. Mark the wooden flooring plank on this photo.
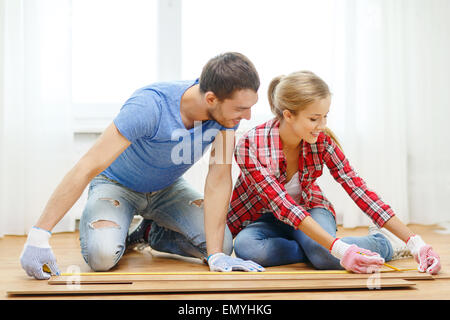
<point>442,275</point>
<point>66,248</point>
<point>68,280</point>
<point>62,280</point>
<point>189,286</point>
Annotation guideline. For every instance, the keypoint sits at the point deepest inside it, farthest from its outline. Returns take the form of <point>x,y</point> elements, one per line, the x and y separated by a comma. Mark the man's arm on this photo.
<point>216,203</point>
<point>37,252</point>
<point>105,150</point>
<point>218,190</point>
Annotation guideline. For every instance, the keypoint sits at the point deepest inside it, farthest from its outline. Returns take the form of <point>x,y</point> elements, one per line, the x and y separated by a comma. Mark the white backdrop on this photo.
<point>385,61</point>
<point>386,64</point>
<point>36,146</point>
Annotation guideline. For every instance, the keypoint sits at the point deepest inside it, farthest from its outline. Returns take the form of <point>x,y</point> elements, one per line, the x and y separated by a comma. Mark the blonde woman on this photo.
<point>279,215</point>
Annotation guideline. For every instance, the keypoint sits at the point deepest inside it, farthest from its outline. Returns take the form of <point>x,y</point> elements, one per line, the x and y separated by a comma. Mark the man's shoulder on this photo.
<point>160,92</point>
<point>165,87</point>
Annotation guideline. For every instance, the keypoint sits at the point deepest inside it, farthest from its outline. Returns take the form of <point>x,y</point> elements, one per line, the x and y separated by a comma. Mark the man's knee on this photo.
<point>104,224</point>
<point>103,256</point>
<point>103,252</point>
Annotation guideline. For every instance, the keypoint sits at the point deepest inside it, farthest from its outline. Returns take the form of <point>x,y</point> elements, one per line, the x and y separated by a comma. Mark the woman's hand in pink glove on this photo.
<point>356,259</point>
<point>428,260</point>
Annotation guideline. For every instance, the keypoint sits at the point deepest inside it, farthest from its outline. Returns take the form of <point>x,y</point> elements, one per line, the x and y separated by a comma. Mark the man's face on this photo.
<point>230,112</point>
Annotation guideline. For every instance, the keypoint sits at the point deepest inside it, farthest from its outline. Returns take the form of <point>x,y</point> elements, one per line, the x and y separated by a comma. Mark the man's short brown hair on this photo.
<point>228,72</point>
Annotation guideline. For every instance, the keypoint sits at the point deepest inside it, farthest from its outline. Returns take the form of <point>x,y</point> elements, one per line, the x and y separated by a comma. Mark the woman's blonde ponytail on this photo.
<point>331,134</point>
<point>271,92</point>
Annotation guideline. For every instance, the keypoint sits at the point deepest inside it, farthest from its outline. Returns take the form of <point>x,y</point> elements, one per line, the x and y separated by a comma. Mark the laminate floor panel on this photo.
<point>67,251</point>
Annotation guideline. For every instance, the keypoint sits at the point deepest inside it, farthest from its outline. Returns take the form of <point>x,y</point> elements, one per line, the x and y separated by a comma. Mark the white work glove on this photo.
<point>36,253</point>
<point>224,263</point>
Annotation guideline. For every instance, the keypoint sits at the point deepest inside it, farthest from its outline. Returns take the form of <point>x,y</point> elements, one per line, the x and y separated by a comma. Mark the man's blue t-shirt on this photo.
<point>161,149</point>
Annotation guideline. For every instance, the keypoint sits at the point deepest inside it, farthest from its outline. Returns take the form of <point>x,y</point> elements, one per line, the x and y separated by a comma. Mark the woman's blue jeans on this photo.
<point>178,224</point>
<point>270,242</point>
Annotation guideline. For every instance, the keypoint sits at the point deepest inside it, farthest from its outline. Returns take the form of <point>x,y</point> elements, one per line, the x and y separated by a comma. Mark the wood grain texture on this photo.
<point>189,286</point>
<point>66,247</point>
<point>442,275</point>
<point>62,280</point>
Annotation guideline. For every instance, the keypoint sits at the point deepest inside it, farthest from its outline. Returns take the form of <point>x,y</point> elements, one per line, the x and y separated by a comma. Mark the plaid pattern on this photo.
<point>260,186</point>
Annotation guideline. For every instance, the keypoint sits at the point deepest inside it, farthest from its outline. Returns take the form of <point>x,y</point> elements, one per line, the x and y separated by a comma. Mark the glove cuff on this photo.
<point>414,244</point>
<point>38,237</point>
<point>339,248</point>
<point>213,257</point>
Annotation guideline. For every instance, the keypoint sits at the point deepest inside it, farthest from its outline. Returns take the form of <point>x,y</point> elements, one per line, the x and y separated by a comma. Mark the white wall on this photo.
<point>364,34</point>
<point>2,230</point>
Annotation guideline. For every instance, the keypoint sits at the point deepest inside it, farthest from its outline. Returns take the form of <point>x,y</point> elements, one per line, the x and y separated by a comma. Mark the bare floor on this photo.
<point>67,250</point>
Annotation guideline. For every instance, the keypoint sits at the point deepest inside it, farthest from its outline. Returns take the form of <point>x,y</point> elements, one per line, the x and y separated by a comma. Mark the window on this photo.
<point>278,36</point>
<point>120,46</point>
<point>113,54</point>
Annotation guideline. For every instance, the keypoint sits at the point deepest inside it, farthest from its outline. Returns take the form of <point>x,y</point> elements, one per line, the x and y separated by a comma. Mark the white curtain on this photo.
<point>391,105</point>
<point>386,62</point>
<point>36,148</point>
<point>369,112</point>
<point>427,101</point>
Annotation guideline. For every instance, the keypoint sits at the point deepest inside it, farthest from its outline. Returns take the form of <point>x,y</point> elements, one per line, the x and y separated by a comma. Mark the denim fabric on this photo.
<point>270,242</point>
<point>177,227</point>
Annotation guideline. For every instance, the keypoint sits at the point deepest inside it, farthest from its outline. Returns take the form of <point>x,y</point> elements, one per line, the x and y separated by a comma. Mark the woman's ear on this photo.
<point>288,116</point>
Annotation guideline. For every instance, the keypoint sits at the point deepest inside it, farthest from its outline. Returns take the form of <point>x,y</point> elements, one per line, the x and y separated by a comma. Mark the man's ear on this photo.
<point>210,98</point>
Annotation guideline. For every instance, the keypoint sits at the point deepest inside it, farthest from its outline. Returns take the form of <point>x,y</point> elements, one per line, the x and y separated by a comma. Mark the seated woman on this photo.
<point>279,215</point>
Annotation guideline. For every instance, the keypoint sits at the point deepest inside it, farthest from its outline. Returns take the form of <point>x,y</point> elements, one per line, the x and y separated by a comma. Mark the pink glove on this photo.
<point>428,260</point>
<point>356,259</point>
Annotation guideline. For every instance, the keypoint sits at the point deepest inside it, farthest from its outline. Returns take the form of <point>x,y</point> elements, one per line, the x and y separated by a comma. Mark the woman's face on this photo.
<point>308,123</point>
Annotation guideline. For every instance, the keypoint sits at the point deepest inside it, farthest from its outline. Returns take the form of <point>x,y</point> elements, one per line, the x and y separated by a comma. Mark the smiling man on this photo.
<point>133,170</point>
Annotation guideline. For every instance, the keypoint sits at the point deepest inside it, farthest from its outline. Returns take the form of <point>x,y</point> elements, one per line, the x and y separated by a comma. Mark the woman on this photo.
<point>278,213</point>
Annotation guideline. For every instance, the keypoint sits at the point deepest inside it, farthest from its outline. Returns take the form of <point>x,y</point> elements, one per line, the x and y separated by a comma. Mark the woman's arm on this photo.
<point>313,230</point>
<point>398,228</point>
<point>428,260</point>
<point>367,200</point>
<point>376,209</point>
<point>351,257</point>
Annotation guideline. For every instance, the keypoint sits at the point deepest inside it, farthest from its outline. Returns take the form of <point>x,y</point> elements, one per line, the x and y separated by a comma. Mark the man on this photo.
<point>136,168</point>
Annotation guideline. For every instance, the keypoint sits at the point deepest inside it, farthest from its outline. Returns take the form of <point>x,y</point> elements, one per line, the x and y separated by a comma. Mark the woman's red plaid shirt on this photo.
<point>260,185</point>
